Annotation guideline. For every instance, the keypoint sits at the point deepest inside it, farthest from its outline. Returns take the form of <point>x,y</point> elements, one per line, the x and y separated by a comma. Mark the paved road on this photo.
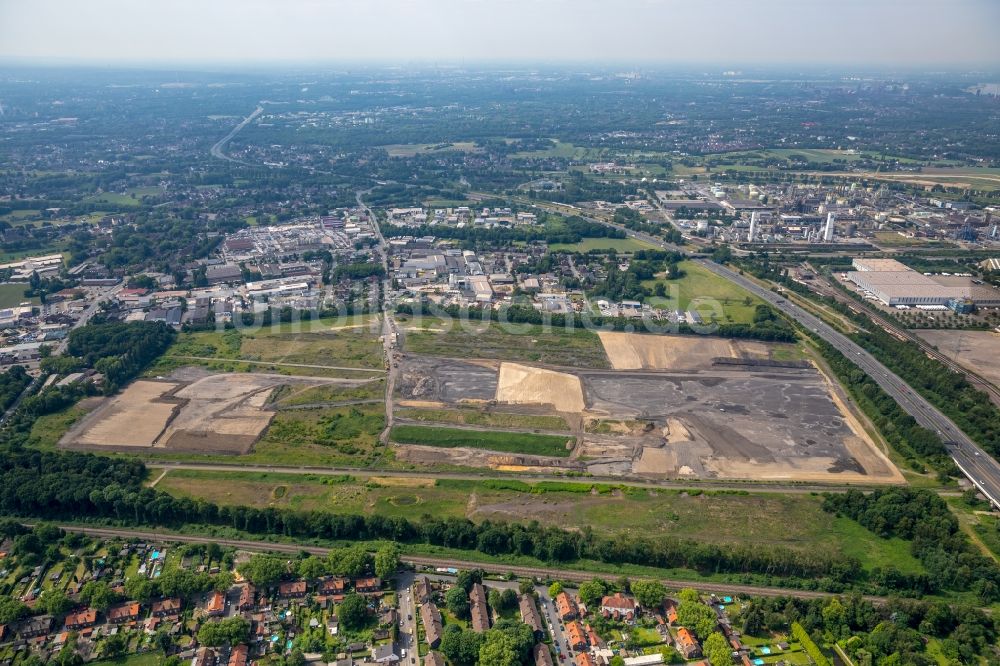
<point>407,639</point>
<point>389,331</point>
<point>217,148</point>
<point>543,573</point>
<point>975,463</point>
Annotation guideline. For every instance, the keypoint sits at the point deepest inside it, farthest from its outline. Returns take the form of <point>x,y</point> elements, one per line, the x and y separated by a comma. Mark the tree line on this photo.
<point>73,486</point>
<point>517,314</point>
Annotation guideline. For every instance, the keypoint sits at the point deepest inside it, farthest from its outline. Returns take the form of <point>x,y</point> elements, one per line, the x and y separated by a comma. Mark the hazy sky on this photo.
<point>873,32</point>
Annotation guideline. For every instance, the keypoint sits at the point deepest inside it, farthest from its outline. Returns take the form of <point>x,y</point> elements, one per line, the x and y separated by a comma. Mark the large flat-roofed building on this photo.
<point>905,288</point>
<point>878,265</point>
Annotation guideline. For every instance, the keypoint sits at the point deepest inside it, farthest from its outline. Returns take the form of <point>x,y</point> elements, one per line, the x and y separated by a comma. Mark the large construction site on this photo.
<point>191,410</point>
<point>669,407</point>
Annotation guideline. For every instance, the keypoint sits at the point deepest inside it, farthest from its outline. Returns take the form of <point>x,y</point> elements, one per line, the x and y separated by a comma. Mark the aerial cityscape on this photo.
<point>414,333</point>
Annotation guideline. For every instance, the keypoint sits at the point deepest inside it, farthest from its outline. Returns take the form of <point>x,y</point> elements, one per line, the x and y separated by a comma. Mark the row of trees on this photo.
<point>571,230</point>
<point>71,485</point>
<point>517,314</point>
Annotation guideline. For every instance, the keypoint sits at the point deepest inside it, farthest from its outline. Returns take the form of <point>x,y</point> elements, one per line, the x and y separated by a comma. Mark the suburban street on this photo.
<point>975,463</point>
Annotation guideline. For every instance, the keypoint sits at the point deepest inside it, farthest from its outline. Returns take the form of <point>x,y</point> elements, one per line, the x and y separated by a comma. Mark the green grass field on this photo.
<point>12,295</point>
<point>738,306</point>
<point>794,520</point>
<point>508,442</point>
<point>616,244</point>
<point>351,342</point>
<point>484,418</point>
<point>515,342</point>
<point>330,436</point>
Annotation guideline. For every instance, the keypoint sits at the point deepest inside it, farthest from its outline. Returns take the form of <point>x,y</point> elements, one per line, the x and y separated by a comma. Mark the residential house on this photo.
<point>431,617</point>
<point>530,615</point>
<point>384,654</point>
<point>166,607</point>
<point>368,585</point>
<point>687,644</point>
<point>566,607</point>
<point>576,636</point>
<point>246,601</point>
<point>422,589</point>
<point>34,626</point>
<point>433,659</point>
<point>204,657</point>
<point>584,659</point>
<point>295,589</point>
<point>618,607</point>
<point>239,655</point>
<point>81,619</point>
<point>127,612</point>
<point>216,604</point>
<point>332,586</point>
<point>480,611</point>
<point>541,655</point>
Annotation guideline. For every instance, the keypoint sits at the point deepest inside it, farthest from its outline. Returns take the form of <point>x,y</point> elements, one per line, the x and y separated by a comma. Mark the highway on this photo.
<point>216,150</point>
<point>975,463</point>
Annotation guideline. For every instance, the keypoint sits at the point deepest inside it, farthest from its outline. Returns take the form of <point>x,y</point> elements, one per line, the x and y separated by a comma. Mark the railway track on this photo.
<point>572,575</point>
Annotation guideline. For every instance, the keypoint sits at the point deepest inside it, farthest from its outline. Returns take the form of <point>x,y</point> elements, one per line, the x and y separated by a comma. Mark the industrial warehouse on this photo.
<point>897,285</point>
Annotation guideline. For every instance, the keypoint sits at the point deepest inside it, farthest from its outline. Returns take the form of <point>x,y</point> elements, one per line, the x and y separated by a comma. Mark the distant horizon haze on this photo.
<point>869,34</point>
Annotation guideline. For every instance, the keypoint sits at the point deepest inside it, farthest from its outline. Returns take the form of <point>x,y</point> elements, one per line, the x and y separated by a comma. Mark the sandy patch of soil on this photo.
<point>635,351</point>
<point>522,384</point>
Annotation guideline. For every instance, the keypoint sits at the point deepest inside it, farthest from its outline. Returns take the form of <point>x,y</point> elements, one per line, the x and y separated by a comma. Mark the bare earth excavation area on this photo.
<point>673,407</point>
<point>192,410</point>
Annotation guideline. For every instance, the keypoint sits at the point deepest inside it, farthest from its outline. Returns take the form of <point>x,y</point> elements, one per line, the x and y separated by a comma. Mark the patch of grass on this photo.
<point>510,442</point>
<point>47,430</point>
<point>515,342</point>
<point>616,244</point>
<point>284,348</point>
<point>795,521</point>
<point>12,295</point>
<point>292,396</point>
<point>738,306</point>
<point>348,434</point>
<point>483,418</point>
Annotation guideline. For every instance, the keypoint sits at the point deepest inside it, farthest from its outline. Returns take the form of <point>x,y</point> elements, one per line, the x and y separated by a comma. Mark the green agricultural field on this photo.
<point>738,305</point>
<point>616,244</point>
<point>478,417</point>
<point>789,520</point>
<point>508,442</point>
<point>515,342</point>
